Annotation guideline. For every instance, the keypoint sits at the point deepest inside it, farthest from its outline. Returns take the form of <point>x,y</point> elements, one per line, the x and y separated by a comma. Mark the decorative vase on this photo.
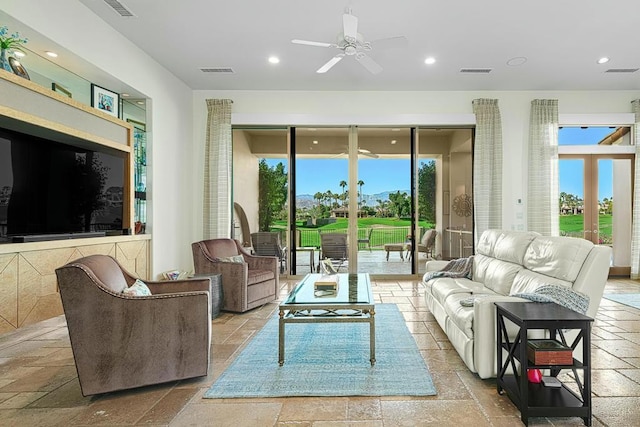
<point>4,62</point>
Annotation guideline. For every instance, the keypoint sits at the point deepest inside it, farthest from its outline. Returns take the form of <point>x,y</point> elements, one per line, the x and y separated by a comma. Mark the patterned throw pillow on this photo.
<point>138,289</point>
<point>234,258</point>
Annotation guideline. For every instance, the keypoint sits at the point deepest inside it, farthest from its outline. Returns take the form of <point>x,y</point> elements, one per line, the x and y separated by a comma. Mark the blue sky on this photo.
<point>381,175</point>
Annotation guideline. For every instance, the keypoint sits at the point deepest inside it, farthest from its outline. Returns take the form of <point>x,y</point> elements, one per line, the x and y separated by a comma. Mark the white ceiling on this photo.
<point>561,40</point>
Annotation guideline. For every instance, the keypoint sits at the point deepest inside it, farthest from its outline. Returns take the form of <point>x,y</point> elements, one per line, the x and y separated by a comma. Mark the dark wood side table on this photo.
<point>538,400</point>
<point>216,294</point>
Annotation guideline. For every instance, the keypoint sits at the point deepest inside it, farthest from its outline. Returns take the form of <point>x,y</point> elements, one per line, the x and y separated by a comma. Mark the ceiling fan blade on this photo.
<point>310,43</point>
<point>350,27</point>
<point>367,153</point>
<point>368,63</point>
<point>390,43</point>
<point>333,61</point>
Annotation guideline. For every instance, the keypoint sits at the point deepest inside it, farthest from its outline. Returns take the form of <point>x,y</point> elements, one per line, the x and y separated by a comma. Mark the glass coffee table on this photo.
<point>353,302</point>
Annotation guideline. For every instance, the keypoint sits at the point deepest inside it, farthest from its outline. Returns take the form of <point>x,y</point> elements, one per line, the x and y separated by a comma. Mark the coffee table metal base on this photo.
<point>327,314</point>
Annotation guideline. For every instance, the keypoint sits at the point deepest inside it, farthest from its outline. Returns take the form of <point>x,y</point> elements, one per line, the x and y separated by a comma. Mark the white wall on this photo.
<point>169,205</point>
<point>245,178</point>
<point>423,108</point>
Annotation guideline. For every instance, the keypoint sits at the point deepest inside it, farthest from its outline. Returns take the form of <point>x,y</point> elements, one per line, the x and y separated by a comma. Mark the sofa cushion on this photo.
<point>508,246</point>
<point>460,315</point>
<point>495,274</point>
<point>558,257</point>
<point>528,281</point>
<point>447,286</point>
<point>512,246</point>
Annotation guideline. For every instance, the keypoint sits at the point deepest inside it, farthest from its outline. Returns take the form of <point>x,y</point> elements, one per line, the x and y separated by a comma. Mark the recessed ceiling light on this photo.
<point>315,141</point>
<point>125,95</point>
<point>274,59</point>
<point>19,54</point>
<point>430,60</point>
<point>140,102</point>
<point>393,141</point>
<point>51,54</point>
<point>603,60</point>
<point>518,60</point>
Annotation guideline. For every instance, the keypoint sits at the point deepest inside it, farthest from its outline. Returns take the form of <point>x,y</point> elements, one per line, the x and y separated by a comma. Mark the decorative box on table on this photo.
<point>549,352</point>
<point>327,282</point>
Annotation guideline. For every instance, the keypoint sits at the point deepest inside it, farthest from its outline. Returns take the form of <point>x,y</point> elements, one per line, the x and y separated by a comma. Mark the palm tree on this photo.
<point>380,207</point>
<point>360,184</point>
<point>343,184</point>
<point>328,195</point>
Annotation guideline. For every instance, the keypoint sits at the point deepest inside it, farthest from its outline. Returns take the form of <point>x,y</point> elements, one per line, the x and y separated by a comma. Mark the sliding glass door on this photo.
<point>384,200</point>
<point>374,193</point>
<point>320,191</point>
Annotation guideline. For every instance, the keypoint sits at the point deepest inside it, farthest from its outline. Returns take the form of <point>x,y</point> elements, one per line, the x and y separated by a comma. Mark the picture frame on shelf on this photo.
<point>18,69</point>
<point>105,100</point>
<point>60,89</point>
<point>138,125</point>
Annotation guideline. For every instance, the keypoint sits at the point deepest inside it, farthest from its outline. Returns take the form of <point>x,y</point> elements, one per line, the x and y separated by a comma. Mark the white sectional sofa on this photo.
<point>507,263</point>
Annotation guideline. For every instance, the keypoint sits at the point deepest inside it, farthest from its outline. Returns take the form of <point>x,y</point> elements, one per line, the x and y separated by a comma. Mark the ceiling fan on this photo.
<point>361,152</point>
<point>351,43</point>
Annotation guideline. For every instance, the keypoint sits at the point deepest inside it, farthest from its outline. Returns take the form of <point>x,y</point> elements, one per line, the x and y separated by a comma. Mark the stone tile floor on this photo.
<point>39,387</point>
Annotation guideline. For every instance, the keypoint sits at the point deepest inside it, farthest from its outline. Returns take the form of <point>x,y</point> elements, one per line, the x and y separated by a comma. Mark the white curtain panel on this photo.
<point>543,196</point>
<point>635,233</point>
<point>217,209</point>
<point>487,166</point>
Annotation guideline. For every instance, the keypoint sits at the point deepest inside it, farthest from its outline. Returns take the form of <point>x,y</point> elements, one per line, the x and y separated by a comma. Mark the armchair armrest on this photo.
<point>256,262</point>
<point>259,262</point>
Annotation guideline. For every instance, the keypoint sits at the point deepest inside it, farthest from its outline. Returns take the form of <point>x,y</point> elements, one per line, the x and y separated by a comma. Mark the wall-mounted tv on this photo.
<point>54,190</point>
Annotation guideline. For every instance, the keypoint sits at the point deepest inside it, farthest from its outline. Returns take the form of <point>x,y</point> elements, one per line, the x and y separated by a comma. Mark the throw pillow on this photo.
<point>138,289</point>
<point>234,258</point>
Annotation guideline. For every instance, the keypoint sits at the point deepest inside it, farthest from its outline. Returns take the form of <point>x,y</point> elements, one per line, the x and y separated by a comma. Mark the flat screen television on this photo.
<point>53,190</point>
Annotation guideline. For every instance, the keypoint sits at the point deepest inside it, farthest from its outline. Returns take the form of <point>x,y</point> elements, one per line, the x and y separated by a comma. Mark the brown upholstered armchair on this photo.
<point>120,341</point>
<point>248,281</point>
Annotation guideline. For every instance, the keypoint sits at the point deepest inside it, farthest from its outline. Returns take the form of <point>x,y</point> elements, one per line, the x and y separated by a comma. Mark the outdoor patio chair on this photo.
<point>426,245</point>
<point>334,246</point>
<point>364,237</point>
<point>267,243</point>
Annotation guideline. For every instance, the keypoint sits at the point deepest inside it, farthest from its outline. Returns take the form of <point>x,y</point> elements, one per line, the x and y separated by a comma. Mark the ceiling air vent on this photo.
<point>622,70</point>
<point>119,8</point>
<point>223,70</point>
<point>475,70</point>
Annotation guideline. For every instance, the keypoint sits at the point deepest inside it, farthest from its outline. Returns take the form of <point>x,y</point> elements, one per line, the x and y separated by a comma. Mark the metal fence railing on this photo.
<point>378,236</point>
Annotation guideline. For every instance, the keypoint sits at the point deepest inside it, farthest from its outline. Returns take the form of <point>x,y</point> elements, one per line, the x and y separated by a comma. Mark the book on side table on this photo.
<point>549,352</point>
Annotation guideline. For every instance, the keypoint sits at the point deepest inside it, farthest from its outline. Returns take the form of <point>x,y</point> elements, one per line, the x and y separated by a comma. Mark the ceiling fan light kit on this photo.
<point>352,43</point>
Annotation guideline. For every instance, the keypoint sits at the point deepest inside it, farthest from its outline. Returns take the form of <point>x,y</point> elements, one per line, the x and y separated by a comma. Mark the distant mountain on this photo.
<point>307,200</point>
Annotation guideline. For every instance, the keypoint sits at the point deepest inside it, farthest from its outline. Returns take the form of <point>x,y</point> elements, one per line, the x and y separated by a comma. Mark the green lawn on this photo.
<point>573,225</point>
<point>386,230</point>
<point>570,225</point>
